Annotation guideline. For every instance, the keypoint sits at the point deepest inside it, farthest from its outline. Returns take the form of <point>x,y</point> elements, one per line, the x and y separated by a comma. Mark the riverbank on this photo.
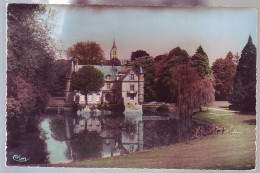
<point>235,149</point>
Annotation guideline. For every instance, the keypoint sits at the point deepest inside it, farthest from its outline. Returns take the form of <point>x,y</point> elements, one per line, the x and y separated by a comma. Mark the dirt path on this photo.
<point>235,149</point>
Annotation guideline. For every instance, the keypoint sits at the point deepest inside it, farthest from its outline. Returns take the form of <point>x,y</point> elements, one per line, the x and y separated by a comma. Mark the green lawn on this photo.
<point>235,149</point>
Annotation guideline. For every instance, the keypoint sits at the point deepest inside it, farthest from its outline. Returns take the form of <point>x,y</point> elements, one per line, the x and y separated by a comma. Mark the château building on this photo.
<point>122,84</point>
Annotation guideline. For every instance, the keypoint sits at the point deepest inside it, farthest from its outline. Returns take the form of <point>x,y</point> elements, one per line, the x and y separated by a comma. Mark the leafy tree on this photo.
<point>61,68</point>
<point>30,54</point>
<point>189,90</point>
<point>87,53</point>
<point>201,62</point>
<point>22,97</point>
<point>87,80</point>
<point>224,71</point>
<point>160,62</point>
<point>116,61</point>
<point>175,57</point>
<point>138,54</point>
<point>244,93</point>
<point>149,85</point>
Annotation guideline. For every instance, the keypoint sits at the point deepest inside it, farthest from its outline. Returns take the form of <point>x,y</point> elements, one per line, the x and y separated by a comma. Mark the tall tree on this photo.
<point>87,80</point>
<point>189,90</point>
<point>200,61</point>
<point>149,85</point>
<point>244,93</point>
<point>224,72</point>
<point>87,53</point>
<point>138,54</point>
<point>176,56</point>
<point>30,49</point>
<point>61,68</point>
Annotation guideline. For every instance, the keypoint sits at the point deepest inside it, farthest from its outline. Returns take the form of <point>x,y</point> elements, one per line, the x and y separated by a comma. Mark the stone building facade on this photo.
<point>122,84</point>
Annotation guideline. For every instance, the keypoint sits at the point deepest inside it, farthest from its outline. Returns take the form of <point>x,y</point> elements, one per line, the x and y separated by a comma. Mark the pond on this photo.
<point>52,137</point>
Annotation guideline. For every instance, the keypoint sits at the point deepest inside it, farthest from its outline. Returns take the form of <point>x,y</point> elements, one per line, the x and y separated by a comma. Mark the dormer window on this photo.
<point>108,77</point>
<point>132,76</point>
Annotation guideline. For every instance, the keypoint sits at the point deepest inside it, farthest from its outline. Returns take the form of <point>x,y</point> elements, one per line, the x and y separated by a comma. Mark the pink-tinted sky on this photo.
<point>156,30</point>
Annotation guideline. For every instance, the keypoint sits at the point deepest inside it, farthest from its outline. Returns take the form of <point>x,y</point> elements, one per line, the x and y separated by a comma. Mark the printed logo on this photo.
<point>19,158</point>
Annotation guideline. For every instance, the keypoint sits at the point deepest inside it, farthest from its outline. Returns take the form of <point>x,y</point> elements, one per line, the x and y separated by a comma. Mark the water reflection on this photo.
<point>70,137</point>
<point>25,141</point>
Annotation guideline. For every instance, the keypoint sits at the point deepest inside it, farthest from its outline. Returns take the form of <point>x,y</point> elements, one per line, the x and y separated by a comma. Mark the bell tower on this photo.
<point>113,52</point>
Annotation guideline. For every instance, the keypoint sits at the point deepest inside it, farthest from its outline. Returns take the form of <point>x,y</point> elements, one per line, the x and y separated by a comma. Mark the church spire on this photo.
<point>114,43</point>
<point>113,53</point>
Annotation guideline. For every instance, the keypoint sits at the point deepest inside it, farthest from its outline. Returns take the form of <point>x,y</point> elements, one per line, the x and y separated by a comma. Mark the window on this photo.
<point>98,98</point>
<point>108,86</point>
<point>90,98</point>
<point>131,97</point>
<point>132,77</point>
<point>132,87</point>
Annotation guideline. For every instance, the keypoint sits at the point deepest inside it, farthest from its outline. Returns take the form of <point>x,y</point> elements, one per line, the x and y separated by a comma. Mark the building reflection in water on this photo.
<point>118,136</point>
<point>96,135</point>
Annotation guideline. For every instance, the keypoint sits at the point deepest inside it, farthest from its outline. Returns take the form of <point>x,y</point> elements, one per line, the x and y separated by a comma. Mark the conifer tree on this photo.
<point>244,93</point>
<point>200,62</point>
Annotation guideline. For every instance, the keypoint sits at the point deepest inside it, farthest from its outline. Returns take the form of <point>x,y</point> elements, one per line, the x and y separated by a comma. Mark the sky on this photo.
<point>157,30</point>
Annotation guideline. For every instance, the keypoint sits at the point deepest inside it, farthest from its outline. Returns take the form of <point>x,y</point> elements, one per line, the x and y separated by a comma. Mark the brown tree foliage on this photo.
<point>88,53</point>
<point>224,71</point>
<point>190,90</point>
<point>22,97</point>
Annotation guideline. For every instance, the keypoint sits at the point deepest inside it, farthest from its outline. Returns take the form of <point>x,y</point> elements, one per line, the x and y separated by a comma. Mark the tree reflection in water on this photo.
<point>25,142</point>
<point>75,137</point>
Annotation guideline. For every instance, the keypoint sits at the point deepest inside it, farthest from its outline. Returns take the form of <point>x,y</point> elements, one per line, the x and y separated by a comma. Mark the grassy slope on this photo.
<point>235,149</point>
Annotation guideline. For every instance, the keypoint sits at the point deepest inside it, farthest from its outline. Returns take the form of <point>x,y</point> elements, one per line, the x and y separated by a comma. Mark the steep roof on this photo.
<point>108,69</point>
<point>126,69</point>
<point>114,44</point>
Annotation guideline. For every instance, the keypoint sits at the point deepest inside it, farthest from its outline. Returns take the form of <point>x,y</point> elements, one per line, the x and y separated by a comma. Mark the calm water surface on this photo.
<point>67,137</point>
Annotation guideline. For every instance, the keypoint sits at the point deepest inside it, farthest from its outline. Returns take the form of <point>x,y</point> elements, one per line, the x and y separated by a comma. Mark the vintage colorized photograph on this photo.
<point>131,87</point>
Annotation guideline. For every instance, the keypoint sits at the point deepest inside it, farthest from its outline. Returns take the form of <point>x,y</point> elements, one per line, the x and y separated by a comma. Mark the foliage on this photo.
<point>149,85</point>
<point>60,69</point>
<point>87,80</point>
<point>175,57</point>
<point>87,53</point>
<point>22,97</point>
<point>200,62</point>
<point>189,90</point>
<point>30,49</point>
<point>30,55</point>
<point>178,56</point>
<point>115,61</point>
<point>138,54</point>
<point>224,71</point>
<point>244,93</point>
